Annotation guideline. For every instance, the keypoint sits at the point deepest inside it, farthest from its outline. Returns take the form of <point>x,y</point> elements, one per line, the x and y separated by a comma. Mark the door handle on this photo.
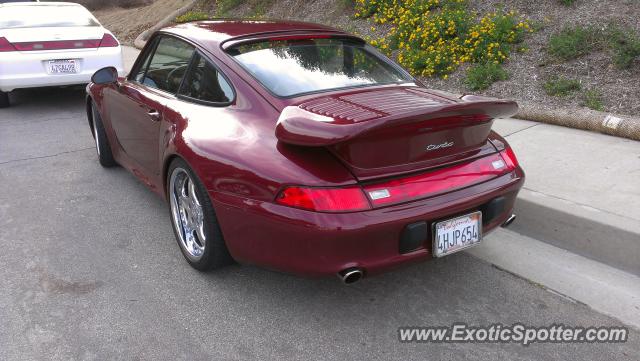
<point>154,115</point>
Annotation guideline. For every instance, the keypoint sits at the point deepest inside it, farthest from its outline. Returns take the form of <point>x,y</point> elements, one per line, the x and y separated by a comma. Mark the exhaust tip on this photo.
<point>350,275</point>
<point>509,221</point>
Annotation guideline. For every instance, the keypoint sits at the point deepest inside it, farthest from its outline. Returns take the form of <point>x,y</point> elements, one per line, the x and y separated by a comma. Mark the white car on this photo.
<point>52,44</point>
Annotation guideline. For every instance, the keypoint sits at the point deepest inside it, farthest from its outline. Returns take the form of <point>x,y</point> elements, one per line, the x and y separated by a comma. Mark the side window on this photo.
<point>168,65</point>
<point>204,82</point>
<point>138,74</point>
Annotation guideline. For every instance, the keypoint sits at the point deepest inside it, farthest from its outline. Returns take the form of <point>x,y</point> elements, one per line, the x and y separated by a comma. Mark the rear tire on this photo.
<point>4,100</point>
<point>194,221</point>
<point>105,157</point>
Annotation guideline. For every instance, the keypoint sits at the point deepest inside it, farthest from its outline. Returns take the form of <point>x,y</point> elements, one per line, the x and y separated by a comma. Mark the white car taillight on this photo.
<point>108,41</point>
<point>5,45</point>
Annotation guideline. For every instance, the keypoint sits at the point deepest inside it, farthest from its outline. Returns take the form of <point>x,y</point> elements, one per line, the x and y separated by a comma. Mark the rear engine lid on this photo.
<point>394,130</point>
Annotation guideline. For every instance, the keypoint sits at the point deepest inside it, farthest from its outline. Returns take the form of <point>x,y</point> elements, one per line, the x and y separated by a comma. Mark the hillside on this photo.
<point>128,23</point>
<point>588,76</point>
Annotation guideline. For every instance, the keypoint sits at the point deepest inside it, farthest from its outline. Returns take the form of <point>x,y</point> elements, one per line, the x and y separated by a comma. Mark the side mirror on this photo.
<point>106,75</point>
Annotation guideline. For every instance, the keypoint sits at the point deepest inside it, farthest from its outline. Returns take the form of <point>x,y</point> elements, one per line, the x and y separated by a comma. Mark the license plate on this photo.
<point>62,66</point>
<point>457,234</point>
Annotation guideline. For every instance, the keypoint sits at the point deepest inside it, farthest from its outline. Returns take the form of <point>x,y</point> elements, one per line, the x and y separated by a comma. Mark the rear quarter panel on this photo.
<point>234,149</point>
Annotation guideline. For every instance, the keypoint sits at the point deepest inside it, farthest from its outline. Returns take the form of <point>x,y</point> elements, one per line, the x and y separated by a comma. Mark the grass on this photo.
<point>259,8</point>
<point>347,4</point>
<point>567,2</point>
<point>561,86</point>
<point>593,99</point>
<point>572,43</point>
<point>575,42</point>
<point>625,44</point>
<point>192,16</point>
<point>224,6</point>
<point>481,76</point>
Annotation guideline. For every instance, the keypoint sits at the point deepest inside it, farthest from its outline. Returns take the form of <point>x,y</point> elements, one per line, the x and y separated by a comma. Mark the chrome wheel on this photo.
<point>187,214</point>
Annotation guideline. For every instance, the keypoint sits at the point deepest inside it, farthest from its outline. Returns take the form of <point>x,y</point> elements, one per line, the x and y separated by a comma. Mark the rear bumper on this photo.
<point>320,244</point>
<point>28,69</point>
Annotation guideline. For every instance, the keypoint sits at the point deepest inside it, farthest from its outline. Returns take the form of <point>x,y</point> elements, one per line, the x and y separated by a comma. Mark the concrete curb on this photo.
<point>624,126</point>
<point>581,193</point>
<point>580,229</point>
<point>141,40</point>
<point>605,289</point>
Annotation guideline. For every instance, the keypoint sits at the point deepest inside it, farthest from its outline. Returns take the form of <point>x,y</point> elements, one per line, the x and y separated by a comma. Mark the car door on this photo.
<point>138,104</point>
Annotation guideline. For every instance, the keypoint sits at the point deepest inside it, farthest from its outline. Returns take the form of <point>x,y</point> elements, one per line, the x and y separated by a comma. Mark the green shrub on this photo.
<point>224,6</point>
<point>434,37</point>
<point>481,76</point>
<point>593,99</point>
<point>561,86</point>
<point>571,43</point>
<point>625,44</point>
<point>192,16</point>
<point>567,2</point>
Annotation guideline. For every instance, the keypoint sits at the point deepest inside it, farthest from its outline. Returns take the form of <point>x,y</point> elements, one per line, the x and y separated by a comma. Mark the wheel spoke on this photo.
<point>182,185</point>
<point>199,225</point>
<point>192,193</point>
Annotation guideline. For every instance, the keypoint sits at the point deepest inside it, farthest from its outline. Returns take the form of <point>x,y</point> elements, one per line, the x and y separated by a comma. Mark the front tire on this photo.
<point>4,100</point>
<point>194,221</point>
<point>103,149</point>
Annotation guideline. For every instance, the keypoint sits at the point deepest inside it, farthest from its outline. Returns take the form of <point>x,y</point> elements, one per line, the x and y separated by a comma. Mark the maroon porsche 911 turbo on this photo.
<point>300,148</point>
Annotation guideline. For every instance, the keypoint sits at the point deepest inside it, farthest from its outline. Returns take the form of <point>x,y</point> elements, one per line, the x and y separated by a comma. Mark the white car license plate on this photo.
<point>68,66</point>
<point>457,234</point>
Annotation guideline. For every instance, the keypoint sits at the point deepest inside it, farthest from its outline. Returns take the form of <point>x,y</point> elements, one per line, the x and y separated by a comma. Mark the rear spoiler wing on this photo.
<point>299,126</point>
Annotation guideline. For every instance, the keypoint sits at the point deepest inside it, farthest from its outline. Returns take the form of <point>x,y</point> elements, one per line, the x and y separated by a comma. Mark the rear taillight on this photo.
<point>5,45</point>
<point>509,158</point>
<point>324,199</point>
<point>56,45</point>
<point>438,181</point>
<point>108,41</point>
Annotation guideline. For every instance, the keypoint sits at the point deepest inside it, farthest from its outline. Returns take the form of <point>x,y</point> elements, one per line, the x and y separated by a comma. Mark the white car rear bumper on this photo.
<point>28,69</point>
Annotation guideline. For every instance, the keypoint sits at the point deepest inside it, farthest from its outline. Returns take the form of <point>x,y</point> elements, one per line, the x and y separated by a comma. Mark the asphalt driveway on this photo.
<point>89,270</point>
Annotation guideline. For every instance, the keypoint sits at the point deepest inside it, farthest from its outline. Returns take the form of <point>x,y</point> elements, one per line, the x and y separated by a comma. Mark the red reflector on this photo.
<point>57,45</point>
<point>509,158</point>
<point>108,41</point>
<point>5,45</point>
<point>324,199</point>
<point>437,182</point>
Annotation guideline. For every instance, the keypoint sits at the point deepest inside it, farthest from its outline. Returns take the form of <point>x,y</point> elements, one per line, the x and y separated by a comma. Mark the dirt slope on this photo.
<point>620,89</point>
<point>127,24</point>
<point>528,71</point>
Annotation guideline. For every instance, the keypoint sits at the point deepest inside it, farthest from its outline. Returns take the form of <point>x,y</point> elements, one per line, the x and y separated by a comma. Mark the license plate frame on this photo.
<point>463,246</point>
<point>59,64</point>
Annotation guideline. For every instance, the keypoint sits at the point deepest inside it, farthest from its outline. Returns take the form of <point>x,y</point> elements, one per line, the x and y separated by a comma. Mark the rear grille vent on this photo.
<point>397,101</point>
<point>368,105</point>
<point>341,110</point>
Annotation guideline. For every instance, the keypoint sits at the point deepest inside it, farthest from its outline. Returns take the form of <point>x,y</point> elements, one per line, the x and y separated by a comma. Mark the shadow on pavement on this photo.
<point>71,96</point>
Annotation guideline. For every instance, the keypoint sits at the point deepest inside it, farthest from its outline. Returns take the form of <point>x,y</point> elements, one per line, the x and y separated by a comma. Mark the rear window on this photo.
<point>292,67</point>
<point>37,16</point>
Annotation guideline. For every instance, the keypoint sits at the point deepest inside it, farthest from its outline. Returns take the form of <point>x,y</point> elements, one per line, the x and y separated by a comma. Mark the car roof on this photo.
<point>212,33</point>
<point>38,3</point>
